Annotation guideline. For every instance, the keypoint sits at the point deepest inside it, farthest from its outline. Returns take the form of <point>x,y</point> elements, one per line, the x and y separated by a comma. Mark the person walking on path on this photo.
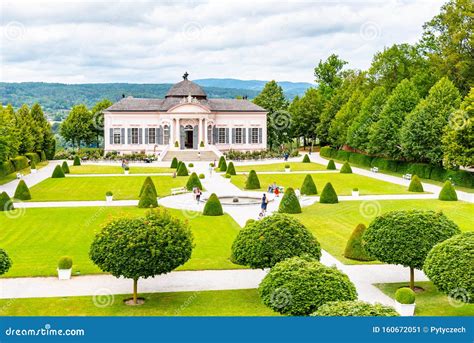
<point>198,195</point>
<point>264,204</point>
<point>211,167</point>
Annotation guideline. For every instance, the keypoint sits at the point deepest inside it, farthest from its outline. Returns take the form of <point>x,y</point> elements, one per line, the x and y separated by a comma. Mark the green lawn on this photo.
<point>94,188</point>
<point>97,169</point>
<point>342,183</point>
<point>332,224</point>
<point>26,171</point>
<point>37,239</point>
<point>431,302</point>
<point>245,302</point>
<point>275,167</point>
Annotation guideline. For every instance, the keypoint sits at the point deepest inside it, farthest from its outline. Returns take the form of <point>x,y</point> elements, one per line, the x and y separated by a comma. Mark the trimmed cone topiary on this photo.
<point>148,181</point>
<point>43,156</point>
<point>148,198</point>
<point>58,172</point>
<point>306,159</point>
<point>182,170</point>
<point>346,168</point>
<point>213,206</point>
<point>65,167</point>
<point>328,195</point>
<point>223,166</point>
<point>289,203</point>
<point>331,165</point>
<point>415,185</point>
<point>77,161</point>
<point>309,187</point>
<point>6,204</point>
<point>221,159</point>
<point>174,163</point>
<point>193,182</point>
<point>231,169</point>
<point>354,248</point>
<point>448,193</point>
<point>33,164</point>
<point>22,192</point>
<point>252,181</point>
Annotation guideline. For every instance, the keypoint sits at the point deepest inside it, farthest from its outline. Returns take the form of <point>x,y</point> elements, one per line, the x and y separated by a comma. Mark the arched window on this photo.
<point>166,134</point>
<point>209,134</point>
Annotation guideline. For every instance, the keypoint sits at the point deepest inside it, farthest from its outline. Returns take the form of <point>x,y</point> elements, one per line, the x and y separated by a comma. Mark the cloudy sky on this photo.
<point>156,41</point>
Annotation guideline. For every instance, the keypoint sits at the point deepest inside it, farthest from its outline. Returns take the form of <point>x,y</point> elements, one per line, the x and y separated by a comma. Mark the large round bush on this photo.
<point>299,286</point>
<point>263,243</point>
<point>355,309</point>
<point>449,265</point>
<point>5,262</point>
<point>406,237</point>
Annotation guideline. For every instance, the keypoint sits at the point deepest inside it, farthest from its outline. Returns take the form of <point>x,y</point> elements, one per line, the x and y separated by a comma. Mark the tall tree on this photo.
<point>38,126</point>
<point>23,124</point>
<point>384,135</point>
<point>458,138</point>
<point>329,75</point>
<point>423,129</point>
<point>98,118</point>
<point>306,113</point>
<point>8,137</point>
<point>78,127</point>
<point>273,100</point>
<point>448,41</point>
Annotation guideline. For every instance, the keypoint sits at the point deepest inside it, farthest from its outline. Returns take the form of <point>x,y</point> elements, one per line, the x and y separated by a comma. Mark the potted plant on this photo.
<point>33,167</point>
<point>64,268</point>
<point>405,301</point>
<point>212,165</point>
<point>201,176</point>
<point>287,168</point>
<point>227,177</point>
<point>191,166</point>
<point>355,192</point>
<point>109,196</point>
<point>126,170</point>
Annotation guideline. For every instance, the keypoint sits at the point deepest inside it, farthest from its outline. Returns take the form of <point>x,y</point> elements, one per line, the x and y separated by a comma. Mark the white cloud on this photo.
<point>155,41</point>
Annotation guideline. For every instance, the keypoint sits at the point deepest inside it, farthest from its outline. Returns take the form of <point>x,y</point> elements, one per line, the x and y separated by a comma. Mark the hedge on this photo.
<point>43,156</point>
<point>360,159</point>
<point>326,151</point>
<point>148,181</point>
<point>331,165</point>
<point>33,156</point>
<point>355,308</point>
<point>354,248</point>
<point>6,168</point>
<point>449,266</point>
<point>193,182</point>
<point>448,193</point>
<point>309,187</point>
<point>415,184</point>
<point>77,161</point>
<point>306,159</point>
<point>213,206</point>
<point>421,169</point>
<point>6,204</point>
<point>252,181</point>
<point>22,192</point>
<point>65,167</point>
<point>342,155</point>
<point>289,203</point>
<point>328,195</point>
<point>58,172</point>
<point>231,169</point>
<point>182,170</point>
<point>346,168</point>
<point>148,198</point>
<point>20,162</point>
<point>384,164</point>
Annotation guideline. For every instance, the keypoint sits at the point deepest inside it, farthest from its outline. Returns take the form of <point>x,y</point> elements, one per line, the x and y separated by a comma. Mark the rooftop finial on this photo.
<point>185,76</point>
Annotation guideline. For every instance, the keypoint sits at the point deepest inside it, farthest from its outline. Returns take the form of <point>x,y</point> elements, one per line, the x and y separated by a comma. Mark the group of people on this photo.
<point>273,188</point>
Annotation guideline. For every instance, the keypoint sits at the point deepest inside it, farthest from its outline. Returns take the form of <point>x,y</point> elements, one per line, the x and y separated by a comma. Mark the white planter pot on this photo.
<point>126,172</point>
<point>355,193</point>
<point>406,310</point>
<point>287,170</point>
<point>34,171</point>
<point>64,274</point>
<point>228,180</point>
<point>109,198</point>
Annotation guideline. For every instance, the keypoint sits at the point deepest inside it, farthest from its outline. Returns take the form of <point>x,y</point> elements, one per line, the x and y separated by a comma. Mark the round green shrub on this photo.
<point>109,193</point>
<point>58,172</point>
<point>6,204</point>
<point>182,170</point>
<point>148,181</point>
<point>263,243</point>
<point>449,265</point>
<point>252,181</point>
<point>223,166</point>
<point>346,168</point>
<point>289,203</point>
<point>191,165</point>
<point>213,206</point>
<point>406,237</point>
<point>22,192</point>
<point>355,309</point>
<point>415,185</point>
<point>65,262</point>
<point>299,287</point>
<point>193,182</point>
<point>202,176</point>
<point>65,167</point>
<point>231,169</point>
<point>448,193</point>
<point>354,248</point>
<point>148,198</point>
<point>5,262</point>
<point>405,296</point>
<point>309,187</point>
<point>174,163</point>
<point>228,176</point>
<point>328,195</point>
<point>77,161</point>
<point>331,165</point>
<point>306,159</point>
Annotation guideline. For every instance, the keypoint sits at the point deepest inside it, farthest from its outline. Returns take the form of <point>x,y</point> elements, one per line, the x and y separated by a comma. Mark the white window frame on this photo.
<point>254,135</point>
<point>134,135</point>
<point>238,135</point>
<point>166,134</point>
<point>221,135</point>
<point>117,136</point>
<point>150,130</point>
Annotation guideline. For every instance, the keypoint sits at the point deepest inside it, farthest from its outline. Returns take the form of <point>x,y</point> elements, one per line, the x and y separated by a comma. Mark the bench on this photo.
<point>407,176</point>
<point>180,190</point>
<point>374,170</point>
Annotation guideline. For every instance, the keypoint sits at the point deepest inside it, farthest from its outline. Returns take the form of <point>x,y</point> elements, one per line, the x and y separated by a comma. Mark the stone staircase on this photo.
<point>190,155</point>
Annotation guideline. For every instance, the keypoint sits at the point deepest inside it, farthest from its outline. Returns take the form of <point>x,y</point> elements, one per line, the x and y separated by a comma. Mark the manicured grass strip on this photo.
<point>37,239</point>
<point>332,224</point>
<point>343,183</point>
<point>94,188</point>
<point>275,167</point>
<point>26,171</point>
<point>431,302</point>
<point>98,169</point>
<point>245,302</point>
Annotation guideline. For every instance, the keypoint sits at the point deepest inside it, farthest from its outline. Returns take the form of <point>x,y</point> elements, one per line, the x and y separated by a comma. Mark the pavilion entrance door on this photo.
<point>188,139</point>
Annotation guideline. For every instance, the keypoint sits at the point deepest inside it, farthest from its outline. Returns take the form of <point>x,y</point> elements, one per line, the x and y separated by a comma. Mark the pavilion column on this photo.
<point>206,139</point>
<point>177,132</point>
<point>200,132</point>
